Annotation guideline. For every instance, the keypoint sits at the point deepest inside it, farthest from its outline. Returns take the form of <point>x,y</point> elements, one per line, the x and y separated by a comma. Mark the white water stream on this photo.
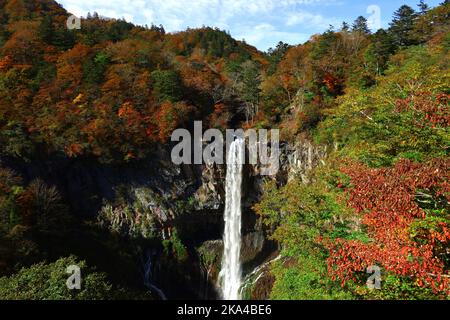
<point>230,274</point>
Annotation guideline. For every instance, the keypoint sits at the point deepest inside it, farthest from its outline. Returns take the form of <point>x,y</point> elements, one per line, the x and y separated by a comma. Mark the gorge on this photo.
<point>87,176</point>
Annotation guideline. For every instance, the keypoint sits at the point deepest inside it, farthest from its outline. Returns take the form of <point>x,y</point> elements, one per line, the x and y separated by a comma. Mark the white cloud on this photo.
<point>265,35</point>
<point>305,18</point>
<point>176,15</point>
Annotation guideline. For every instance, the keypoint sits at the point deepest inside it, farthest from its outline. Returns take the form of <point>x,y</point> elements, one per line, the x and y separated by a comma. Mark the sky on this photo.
<point>262,23</point>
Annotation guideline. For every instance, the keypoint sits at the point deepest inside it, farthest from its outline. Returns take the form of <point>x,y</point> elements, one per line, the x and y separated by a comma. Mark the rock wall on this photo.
<point>152,198</point>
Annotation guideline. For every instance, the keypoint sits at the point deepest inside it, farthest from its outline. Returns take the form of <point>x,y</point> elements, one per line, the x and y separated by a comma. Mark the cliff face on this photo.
<point>302,158</point>
<point>153,198</point>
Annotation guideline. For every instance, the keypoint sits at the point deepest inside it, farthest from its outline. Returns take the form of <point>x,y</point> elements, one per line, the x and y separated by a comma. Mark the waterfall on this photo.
<point>253,277</point>
<point>230,274</point>
<point>147,268</point>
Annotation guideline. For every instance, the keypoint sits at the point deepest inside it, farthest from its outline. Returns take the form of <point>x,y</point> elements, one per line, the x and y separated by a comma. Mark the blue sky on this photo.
<point>261,23</point>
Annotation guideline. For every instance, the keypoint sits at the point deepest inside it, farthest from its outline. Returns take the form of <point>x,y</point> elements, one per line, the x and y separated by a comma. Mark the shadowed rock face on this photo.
<point>150,198</point>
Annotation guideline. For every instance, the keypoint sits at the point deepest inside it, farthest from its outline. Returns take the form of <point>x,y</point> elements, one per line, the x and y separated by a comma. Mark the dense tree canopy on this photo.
<point>381,103</point>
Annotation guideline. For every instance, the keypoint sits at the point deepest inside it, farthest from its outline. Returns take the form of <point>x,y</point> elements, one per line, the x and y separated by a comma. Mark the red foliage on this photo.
<point>385,199</point>
<point>136,125</point>
<point>169,117</point>
<point>219,118</point>
<point>434,110</point>
<point>330,82</point>
<point>5,63</point>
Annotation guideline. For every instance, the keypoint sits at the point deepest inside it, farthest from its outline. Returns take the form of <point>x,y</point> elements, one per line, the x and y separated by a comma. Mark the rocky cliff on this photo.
<point>155,198</point>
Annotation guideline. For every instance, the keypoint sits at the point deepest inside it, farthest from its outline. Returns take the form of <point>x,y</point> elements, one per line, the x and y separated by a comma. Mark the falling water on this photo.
<point>230,274</point>
<point>147,268</point>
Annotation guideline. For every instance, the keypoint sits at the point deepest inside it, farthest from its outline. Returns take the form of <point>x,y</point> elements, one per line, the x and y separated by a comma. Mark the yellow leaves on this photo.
<point>125,110</point>
<point>78,99</point>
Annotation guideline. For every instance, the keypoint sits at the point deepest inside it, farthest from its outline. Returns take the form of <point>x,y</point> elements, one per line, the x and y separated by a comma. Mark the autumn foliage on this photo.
<point>110,90</point>
<point>389,204</point>
<point>434,110</point>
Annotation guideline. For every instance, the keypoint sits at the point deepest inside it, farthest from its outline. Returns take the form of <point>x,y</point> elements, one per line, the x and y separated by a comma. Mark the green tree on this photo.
<point>379,51</point>
<point>47,30</point>
<point>276,55</point>
<point>299,214</point>
<point>424,8</point>
<point>402,26</point>
<point>47,281</point>
<point>167,85</point>
<point>360,25</point>
<point>345,27</point>
<point>94,69</point>
<point>250,89</point>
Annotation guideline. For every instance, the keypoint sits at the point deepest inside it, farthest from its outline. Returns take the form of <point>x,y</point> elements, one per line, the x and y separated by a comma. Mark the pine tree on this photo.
<point>380,50</point>
<point>345,26</point>
<point>423,7</point>
<point>276,55</point>
<point>402,26</point>
<point>47,30</point>
<point>360,25</point>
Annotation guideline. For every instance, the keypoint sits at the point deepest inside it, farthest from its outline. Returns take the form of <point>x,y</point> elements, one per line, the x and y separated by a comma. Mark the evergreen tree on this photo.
<point>167,86</point>
<point>276,55</point>
<point>360,25</point>
<point>402,26</point>
<point>64,38</point>
<point>423,7</point>
<point>251,79</point>
<point>379,51</point>
<point>345,27</point>
<point>46,30</point>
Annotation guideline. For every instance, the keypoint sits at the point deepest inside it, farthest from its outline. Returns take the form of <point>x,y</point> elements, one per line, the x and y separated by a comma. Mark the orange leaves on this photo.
<point>23,46</point>
<point>169,117</point>
<point>74,150</point>
<point>5,63</point>
<point>199,75</point>
<point>386,199</point>
<point>131,116</point>
<point>69,66</point>
<point>126,110</point>
<point>135,125</point>
<point>219,118</point>
<point>16,9</point>
<point>330,82</point>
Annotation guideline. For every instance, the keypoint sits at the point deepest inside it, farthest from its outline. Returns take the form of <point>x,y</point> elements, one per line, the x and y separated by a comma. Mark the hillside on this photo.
<point>86,118</point>
<point>111,89</point>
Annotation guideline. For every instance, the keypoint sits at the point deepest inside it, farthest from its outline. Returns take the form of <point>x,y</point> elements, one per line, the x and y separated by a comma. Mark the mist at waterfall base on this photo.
<point>230,274</point>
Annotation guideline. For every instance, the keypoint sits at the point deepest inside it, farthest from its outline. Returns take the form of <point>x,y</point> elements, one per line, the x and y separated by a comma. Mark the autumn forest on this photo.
<point>86,118</point>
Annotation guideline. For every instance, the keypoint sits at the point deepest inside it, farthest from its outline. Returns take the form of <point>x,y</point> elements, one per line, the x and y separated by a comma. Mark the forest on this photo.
<point>110,94</point>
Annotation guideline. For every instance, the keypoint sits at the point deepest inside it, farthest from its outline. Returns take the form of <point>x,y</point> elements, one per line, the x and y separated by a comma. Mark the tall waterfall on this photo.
<point>230,274</point>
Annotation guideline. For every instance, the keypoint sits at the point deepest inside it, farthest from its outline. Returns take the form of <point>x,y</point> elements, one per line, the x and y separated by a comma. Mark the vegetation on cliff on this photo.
<point>382,199</point>
<point>113,92</point>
